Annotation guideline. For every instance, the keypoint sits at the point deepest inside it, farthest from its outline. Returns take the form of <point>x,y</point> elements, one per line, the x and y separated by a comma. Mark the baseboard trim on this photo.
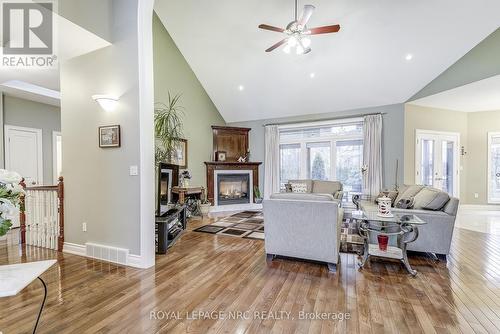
<point>134,261</point>
<point>74,249</point>
<point>486,207</point>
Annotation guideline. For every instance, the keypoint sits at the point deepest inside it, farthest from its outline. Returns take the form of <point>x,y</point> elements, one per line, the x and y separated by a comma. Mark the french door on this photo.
<point>437,160</point>
<point>494,167</point>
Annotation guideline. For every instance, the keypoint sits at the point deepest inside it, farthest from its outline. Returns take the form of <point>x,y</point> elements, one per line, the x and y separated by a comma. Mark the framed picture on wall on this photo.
<point>179,154</point>
<point>109,136</point>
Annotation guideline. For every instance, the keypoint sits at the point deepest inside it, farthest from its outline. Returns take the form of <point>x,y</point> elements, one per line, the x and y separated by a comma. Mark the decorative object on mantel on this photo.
<point>168,129</point>
<point>10,196</point>
<point>220,156</point>
<point>185,177</point>
<point>109,136</point>
<point>384,207</point>
<point>257,195</point>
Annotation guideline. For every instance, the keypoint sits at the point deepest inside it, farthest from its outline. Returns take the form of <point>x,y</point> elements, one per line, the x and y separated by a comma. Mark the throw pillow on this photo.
<point>410,191</point>
<point>299,188</point>
<point>405,203</point>
<point>431,199</point>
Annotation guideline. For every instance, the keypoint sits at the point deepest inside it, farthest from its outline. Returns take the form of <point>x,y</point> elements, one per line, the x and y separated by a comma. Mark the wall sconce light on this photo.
<point>107,102</point>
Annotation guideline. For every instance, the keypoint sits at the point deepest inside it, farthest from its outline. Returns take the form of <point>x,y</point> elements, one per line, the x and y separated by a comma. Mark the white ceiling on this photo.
<point>361,66</point>
<point>483,95</point>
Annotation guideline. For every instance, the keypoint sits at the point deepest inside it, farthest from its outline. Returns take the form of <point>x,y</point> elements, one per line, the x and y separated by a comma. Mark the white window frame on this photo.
<point>55,134</point>
<point>332,139</point>
<point>490,137</point>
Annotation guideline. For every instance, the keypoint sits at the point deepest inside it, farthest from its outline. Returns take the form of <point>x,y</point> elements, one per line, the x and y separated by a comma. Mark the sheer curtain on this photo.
<point>372,155</point>
<point>272,161</point>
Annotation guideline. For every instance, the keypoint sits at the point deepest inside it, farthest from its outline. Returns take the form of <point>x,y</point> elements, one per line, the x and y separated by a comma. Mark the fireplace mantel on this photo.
<point>212,166</point>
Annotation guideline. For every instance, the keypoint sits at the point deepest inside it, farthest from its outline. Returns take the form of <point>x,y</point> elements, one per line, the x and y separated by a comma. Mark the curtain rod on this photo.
<point>326,119</point>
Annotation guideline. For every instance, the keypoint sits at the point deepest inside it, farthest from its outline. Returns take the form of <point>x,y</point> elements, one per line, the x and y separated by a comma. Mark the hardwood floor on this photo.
<point>207,273</point>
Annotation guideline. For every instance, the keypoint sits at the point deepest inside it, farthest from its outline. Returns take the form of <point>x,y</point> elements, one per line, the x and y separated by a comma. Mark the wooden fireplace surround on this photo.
<point>212,166</point>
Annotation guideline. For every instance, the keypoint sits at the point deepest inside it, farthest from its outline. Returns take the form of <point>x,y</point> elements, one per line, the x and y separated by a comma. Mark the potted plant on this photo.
<point>257,194</point>
<point>205,205</point>
<point>168,127</point>
<point>10,195</point>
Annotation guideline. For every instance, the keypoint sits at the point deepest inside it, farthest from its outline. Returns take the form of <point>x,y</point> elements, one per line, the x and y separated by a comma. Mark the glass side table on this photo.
<point>403,227</point>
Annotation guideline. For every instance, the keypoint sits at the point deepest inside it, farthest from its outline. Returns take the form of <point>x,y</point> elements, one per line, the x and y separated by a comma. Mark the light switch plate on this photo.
<point>134,170</point>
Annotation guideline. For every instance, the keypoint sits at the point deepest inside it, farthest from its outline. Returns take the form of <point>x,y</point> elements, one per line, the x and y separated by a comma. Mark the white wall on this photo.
<point>98,187</point>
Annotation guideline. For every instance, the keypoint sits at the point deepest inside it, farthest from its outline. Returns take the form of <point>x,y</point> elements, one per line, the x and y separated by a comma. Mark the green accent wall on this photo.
<point>173,74</point>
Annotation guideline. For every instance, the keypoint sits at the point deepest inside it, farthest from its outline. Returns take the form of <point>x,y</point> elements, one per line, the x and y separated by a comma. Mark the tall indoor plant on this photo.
<point>168,127</point>
<point>10,195</point>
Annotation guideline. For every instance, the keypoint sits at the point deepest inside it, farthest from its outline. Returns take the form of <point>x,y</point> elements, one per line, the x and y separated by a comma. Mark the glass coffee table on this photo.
<point>402,227</point>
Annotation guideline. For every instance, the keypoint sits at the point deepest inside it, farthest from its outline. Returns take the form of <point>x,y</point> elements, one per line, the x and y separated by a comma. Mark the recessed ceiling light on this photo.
<point>312,75</point>
<point>241,88</point>
<point>409,56</point>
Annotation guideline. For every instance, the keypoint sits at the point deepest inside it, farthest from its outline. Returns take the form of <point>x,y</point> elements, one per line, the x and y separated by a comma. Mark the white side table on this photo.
<point>15,277</point>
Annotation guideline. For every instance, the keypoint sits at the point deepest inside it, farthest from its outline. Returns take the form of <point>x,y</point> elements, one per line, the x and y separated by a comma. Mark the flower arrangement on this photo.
<point>10,195</point>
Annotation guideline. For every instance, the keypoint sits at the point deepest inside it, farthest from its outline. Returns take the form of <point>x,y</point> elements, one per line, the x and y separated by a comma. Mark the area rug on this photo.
<point>246,224</point>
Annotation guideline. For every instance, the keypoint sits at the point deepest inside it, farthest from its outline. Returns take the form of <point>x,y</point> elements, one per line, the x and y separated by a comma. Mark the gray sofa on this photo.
<point>305,226</point>
<point>319,187</point>
<point>435,236</point>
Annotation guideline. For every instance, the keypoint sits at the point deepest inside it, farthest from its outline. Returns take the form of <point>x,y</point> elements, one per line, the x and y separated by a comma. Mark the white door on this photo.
<point>23,153</point>
<point>437,160</point>
<point>494,167</point>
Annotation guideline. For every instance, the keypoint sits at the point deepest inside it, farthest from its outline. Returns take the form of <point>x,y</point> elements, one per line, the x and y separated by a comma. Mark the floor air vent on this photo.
<point>106,253</point>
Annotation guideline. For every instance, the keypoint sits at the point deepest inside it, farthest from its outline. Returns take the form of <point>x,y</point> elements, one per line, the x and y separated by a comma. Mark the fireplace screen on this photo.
<point>233,189</point>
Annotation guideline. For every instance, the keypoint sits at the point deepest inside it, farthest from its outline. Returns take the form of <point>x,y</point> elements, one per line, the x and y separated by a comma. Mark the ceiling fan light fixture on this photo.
<point>292,41</point>
<point>287,49</point>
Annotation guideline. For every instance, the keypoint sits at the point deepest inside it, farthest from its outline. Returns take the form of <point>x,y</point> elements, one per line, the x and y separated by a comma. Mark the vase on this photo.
<point>384,206</point>
<point>383,240</point>
<point>205,209</point>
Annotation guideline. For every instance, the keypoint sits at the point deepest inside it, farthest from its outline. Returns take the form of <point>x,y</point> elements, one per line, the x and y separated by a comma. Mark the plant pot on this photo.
<point>383,240</point>
<point>258,200</point>
<point>205,209</point>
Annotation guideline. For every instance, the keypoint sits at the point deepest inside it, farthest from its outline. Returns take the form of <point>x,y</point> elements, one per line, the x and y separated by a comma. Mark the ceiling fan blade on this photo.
<point>306,15</point>
<point>324,30</point>
<point>277,45</point>
<point>268,27</point>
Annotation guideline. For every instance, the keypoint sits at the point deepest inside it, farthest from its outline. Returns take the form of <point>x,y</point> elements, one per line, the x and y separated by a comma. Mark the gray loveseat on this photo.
<point>434,237</point>
<point>305,225</point>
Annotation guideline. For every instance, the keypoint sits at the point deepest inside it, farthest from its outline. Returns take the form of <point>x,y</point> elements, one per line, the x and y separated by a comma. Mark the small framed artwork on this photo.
<point>179,154</point>
<point>109,136</point>
<point>221,156</point>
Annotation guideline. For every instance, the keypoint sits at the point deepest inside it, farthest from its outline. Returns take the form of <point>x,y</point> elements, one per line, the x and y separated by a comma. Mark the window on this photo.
<point>494,167</point>
<point>324,152</point>
<point>289,163</point>
<point>349,163</point>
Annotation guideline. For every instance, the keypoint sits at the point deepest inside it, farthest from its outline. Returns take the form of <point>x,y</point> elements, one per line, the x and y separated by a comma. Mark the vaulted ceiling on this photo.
<point>361,66</point>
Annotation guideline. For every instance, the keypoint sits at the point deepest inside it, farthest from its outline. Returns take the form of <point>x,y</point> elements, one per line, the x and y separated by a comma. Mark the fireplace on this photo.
<point>233,188</point>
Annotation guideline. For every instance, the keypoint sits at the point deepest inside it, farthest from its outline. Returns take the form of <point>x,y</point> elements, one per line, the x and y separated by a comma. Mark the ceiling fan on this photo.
<point>297,32</point>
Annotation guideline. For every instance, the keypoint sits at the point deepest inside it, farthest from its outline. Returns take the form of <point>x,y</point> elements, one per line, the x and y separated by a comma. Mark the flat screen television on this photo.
<point>167,176</point>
